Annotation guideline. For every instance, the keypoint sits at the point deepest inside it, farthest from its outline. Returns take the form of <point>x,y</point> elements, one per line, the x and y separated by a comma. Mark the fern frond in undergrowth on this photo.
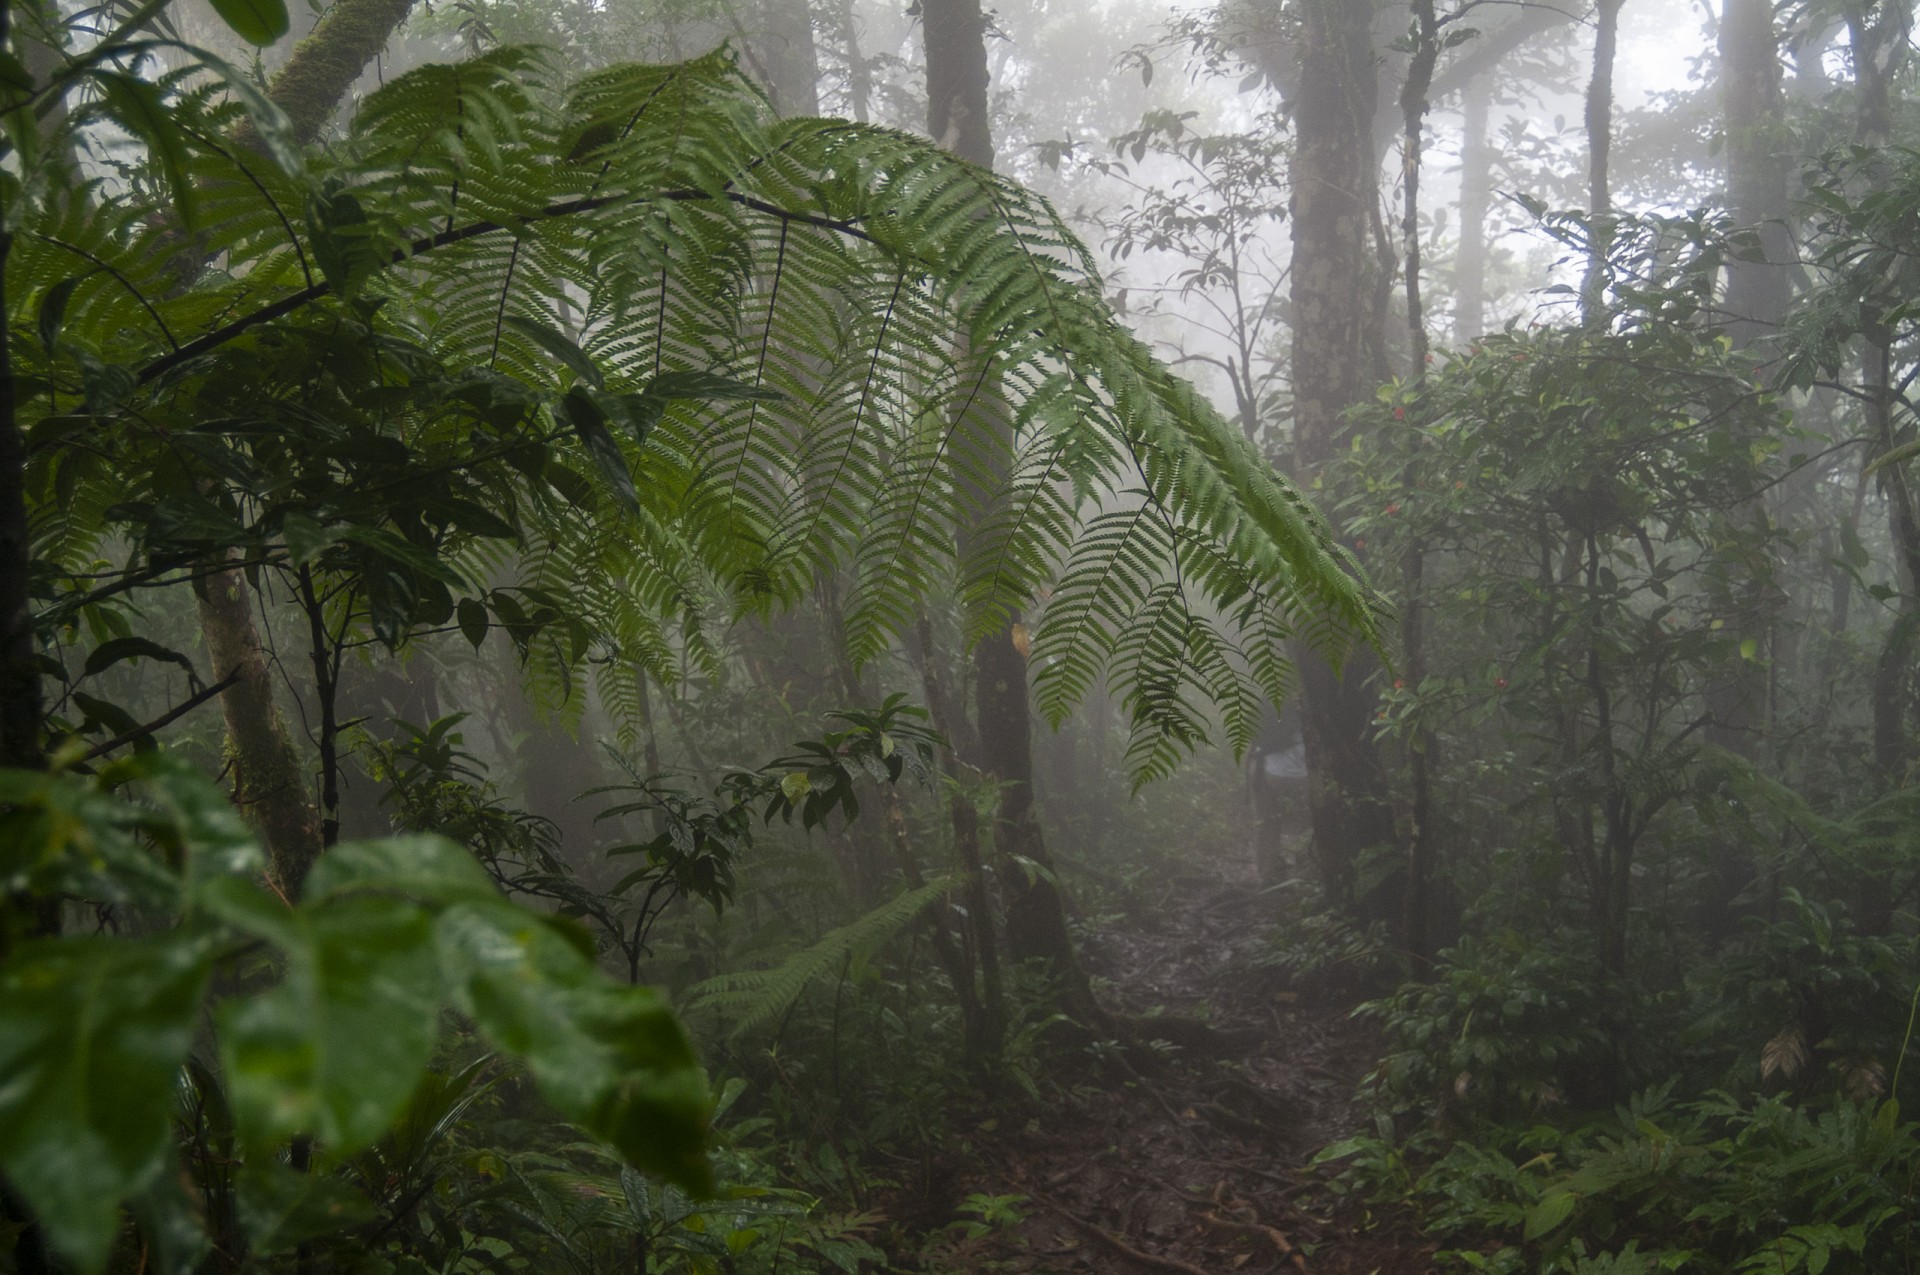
<point>755,997</point>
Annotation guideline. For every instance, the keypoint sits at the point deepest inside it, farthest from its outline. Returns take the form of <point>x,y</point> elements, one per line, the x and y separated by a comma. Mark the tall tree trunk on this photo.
<point>1759,168</point>
<point>1334,192</point>
<point>1606,41</point>
<point>1422,855</point>
<point>957,82</point>
<point>1753,105</point>
<point>1877,34</point>
<point>1476,194</point>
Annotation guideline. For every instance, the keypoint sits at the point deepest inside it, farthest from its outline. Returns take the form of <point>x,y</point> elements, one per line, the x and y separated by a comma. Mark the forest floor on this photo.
<point>1200,1163</point>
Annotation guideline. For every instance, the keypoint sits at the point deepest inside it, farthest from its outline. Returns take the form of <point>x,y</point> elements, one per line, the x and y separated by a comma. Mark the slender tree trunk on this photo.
<point>1606,40</point>
<point>1759,168</point>
<point>957,83</point>
<point>1422,855</point>
<point>1877,34</point>
<point>270,783</point>
<point>269,776</point>
<point>1333,207</point>
<point>859,70</point>
<point>1476,194</point>
<point>987,1030</point>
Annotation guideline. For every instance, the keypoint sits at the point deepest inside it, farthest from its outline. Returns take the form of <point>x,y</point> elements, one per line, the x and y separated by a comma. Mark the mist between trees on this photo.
<point>775,636</point>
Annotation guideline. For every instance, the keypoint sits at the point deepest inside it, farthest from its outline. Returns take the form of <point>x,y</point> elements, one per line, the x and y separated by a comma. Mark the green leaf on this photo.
<point>706,387</point>
<point>53,310</point>
<point>427,869</point>
<point>1550,1212</point>
<point>342,241</point>
<point>280,1208</point>
<point>581,409</point>
<point>103,386</point>
<point>473,620</point>
<point>560,346</point>
<point>258,22</point>
<point>336,1049</point>
<point>111,652</point>
<point>476,519</point>
<point>137,106</point>
<point>398,549</point>
<point>92,1035</point>
<point>610,1057</point>
<point>1895,456</point>
<point>306,539</point>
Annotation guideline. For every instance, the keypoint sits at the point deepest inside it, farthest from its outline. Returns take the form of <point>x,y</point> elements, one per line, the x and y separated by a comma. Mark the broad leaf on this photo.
<point>258,22</point>
<point>611,1057</point>
<point>581,409</point>
<point>92,1035</point>
<point>338,1046</point>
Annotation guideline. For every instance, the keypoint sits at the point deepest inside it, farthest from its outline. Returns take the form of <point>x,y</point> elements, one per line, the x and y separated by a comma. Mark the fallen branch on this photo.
<point>1125,1249</point>
<point>1280,1241</point>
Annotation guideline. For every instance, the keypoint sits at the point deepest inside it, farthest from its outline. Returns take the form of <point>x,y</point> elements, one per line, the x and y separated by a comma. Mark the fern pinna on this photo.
<point>503,307</point>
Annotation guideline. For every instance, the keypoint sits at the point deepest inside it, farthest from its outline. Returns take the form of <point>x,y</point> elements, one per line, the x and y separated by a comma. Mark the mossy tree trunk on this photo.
<point>271,780</point>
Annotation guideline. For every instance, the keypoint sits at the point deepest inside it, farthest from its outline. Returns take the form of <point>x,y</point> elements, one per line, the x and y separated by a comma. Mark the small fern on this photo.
<point>756,997</point>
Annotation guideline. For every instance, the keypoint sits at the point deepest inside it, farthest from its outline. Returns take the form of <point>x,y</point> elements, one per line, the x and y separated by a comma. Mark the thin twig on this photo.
<point>165,719</point>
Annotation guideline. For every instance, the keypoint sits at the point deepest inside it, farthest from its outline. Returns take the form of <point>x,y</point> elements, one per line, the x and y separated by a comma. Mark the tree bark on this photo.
<point>957,117</point>
<point>270,782</point>
<point>1759,168</point>
<point>1476,193</point>
<point>1334,193</point>
<point>1599,119</point>
<point>325,64</point>
<point>1422,857</point>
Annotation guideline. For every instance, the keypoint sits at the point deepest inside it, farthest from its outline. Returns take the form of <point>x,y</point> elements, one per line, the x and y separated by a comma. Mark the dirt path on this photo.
<point>1198,1162</point>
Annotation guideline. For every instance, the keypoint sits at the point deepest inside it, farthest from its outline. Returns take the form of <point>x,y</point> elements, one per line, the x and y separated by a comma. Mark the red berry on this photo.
<point>1500,683</point>
<point>1399,413</point>
<point>1399,685</point>
<point>1393,508</point>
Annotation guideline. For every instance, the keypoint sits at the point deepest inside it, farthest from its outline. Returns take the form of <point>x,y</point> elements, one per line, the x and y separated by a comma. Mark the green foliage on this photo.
<point>335,1031</point>
<point>1712,1185</point>
<point>752,998</point>
<point>667,343</point>
<point>1504,1030</point>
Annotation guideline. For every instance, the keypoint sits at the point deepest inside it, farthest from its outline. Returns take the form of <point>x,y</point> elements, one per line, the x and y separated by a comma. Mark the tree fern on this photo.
<point>859,315</point>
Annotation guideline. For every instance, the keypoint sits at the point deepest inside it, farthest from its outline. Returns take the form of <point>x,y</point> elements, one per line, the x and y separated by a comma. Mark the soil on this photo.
<point>1188,1157</point>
